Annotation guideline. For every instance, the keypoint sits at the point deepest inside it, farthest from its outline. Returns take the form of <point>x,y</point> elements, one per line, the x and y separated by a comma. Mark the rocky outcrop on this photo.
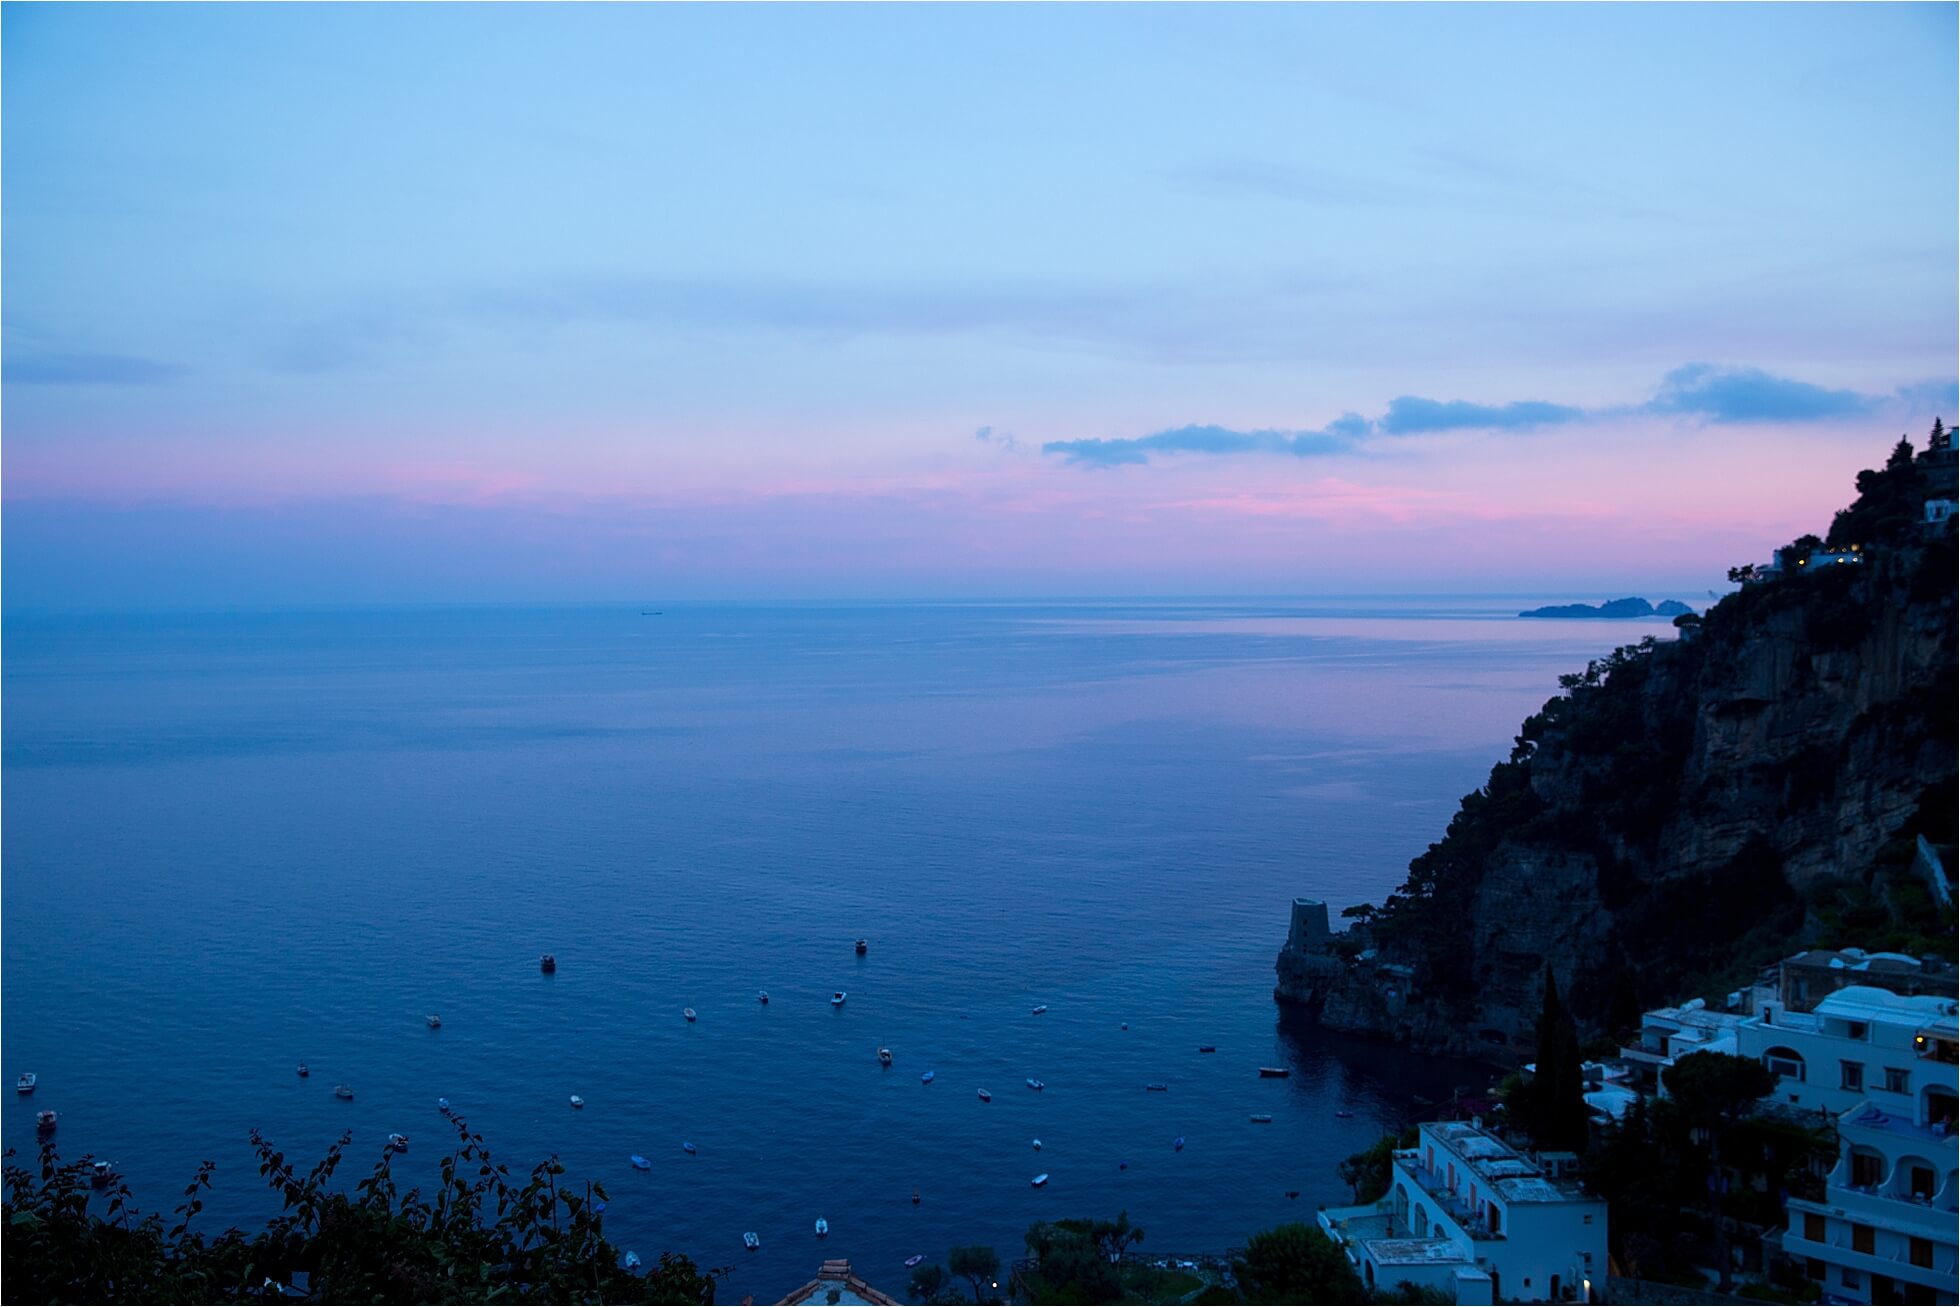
<point>1685,811</point>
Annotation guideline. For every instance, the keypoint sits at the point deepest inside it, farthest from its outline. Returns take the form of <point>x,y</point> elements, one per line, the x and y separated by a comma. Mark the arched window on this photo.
<point>1914,1177</point>
<point>1401,1207</point>
<point>1421,1226</point>
<point>1867,1167</point>
<point>1786,1063</point>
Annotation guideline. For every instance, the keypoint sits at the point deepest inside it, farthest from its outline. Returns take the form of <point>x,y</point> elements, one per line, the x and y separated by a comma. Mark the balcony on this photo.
<point>1436,1189</point>
<point>1837,1250</point>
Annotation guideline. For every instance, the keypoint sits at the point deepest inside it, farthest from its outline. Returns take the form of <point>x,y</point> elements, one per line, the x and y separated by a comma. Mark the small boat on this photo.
<point>687,1148</point>
<point>1158,1088</point>
<point>1037,1145</point>
<point>762,997</point>
<point>25,1084</point>
<point>640,1163</point>
<point>100,1175</point>
<point>1038,1010</point>
<point>1039,1180</point>
<point>435,1022</point>
<point>751,1240</point>
<point>915,1198</point>
<point>1207,1048</point>
<point>688,1012</point>
<point>986,1097</point>
<point>1274,1072</point>
<point>925,1077</point>
<point>1262,1119</point>
<point>1177,1144</point>
<point>1122,1166</point>
<point>1292,1193</point>
<point>862,948</point>
<point>837,999</point>
<point>548,962</point>
<point>301,1070</point>
<point>823,1228</point>
<point>398,1142</point>
<point>1035,1084</point>
<point>343,1091</point>
<point>577,1101</point>
<point>45,1120</point>
<point>1344,1115</point>
<point>631,1261</point>
<point>442,1106</point>
<point>884,1057</point>
<point>1126,1025</point>
<point>915,1259</point>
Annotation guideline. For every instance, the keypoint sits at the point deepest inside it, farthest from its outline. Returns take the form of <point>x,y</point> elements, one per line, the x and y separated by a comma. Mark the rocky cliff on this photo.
<point>1686,811</point>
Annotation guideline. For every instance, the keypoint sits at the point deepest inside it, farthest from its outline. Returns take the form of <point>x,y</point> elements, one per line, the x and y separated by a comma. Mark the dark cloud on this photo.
<point>1695,390</point>
<point>83,369</point>
<point>1413,415</point>
<point>1197,440</point>
<point>1751,395</point>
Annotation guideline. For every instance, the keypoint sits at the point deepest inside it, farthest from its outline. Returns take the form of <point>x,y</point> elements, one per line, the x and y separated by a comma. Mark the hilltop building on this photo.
<point>1472,1217</point>
<point>836,1283</point>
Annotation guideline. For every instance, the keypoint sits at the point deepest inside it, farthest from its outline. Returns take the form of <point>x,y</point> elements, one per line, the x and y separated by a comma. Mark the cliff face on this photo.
<point>1687,811</point>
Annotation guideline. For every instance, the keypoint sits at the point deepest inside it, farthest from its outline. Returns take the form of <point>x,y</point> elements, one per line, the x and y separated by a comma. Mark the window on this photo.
<point>1898,1080</point>
<point>1919,1181</point>
<point>1784,1063</point>
<point>1851,1075</point>
<point>1867,1168</point>
<point>1861,1239</point>
<point>1919,1251</point>
<point>1813,1227</point>
<point>1813,1268</point>
<point>1588,1218</point>
<point>1855,1029</point>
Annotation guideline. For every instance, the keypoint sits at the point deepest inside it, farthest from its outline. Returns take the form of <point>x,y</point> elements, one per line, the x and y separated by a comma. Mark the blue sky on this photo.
<point>1408,278</point>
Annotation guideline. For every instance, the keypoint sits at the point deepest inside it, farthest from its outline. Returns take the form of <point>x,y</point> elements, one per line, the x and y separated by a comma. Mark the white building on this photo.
<point>1888,1067</point>
<point>1859,1043</point>
<point>1668,1034</point>
<point>1468,1214</point>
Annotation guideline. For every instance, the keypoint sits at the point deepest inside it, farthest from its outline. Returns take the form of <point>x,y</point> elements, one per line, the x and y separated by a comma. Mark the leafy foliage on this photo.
<point>1368,1171</point>
<point>481,1236</point>
<point>975,1263</point>
<point>1075,1260</point>
<point>1296,1263</point>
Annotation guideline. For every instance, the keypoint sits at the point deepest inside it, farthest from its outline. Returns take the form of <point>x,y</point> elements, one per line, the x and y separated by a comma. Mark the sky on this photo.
<point>405,304</point>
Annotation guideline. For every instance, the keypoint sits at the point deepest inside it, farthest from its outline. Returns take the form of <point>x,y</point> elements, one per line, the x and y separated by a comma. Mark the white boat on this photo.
<point>45,1120</point>
<point>861,947</point>
<point>100,1174</point>
<point>577,1101</point>
<point>1177,1144</point>
<point>688,1012</point>
<point>823,1227</point>
<point>302,1071</point>
<point>631,1261</point>
<point>1262,1119</point>
<point>1039,1180</point>
<point>442,1106</point>
<point>640,1163</point>
<point>915,1259</point>
<point>687,1148</point>
<point>26,1083</point>
<point>751,1240</point>
<point>1035,1084</point>
<point>884,1057</point>
<point>986,1097</point>
<point>1039,1010</point>
<point>398,1142</point>
<point>547,963</point>
<point>435,1022</point>
<point>1158,1088</point>
<point>837,999</point>
<point>1037,1145</point>
<point>762,997</point>
<point>343,1091</point>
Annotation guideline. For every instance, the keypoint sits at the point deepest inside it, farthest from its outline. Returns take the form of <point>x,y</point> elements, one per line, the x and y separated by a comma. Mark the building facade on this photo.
<point>1470,1215</point>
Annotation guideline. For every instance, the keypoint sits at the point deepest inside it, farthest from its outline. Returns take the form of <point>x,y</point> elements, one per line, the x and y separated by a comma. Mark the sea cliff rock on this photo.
<point>1687,811</point>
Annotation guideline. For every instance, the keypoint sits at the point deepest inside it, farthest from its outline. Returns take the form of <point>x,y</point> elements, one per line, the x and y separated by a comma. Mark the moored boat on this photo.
<point>398,1142</point>
<point>343,1091</point>
<point>1039,1180</point>
<point>1274,1072</point>
<point>687,1148</point>
<point>762,997</point>
<point>1158,1088</point>
<point>1207,1048</point>
<point>548,962</point>
<point>1035,1084</point>
<point>823,1228</point>
<point>862,948</point>
<point>302,1071</point>
<point>884,1057</point>
<point>435,1022</point>
<point>915,1259</point>
<point>837,999</point>
<point>986,1097</point>
<point>1037,1145</point>
<point>1177,1144</point>
<point>577,1101</point>
<point>751,1240</point>
<point>925,1077</point>
<point>26,1082</point>
<point>688,1012</point>
<point>1344,1115</point>
<point>45,1120</point>
<point>100,1174</point>
<point>640,1163</point>
<point>1262,1119</point>
<point>1038,1009</point>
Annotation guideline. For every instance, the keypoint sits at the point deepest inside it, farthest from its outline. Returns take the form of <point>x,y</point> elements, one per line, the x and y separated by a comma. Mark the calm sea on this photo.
<point>235,843</point>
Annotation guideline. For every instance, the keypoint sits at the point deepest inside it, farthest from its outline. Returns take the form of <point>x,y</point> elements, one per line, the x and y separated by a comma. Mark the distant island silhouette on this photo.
<point>1613,608</point>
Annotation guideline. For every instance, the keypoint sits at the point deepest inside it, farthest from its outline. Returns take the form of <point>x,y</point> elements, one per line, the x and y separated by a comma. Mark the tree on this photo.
<point>1554,1104</point>
<point>974,1263</point>
<point>929,1282</point>
<point>1940,439</point>
<point>482,1237</point>
<point>1071,1264</point>
<point>1367,1172</point>
<point>1296,1263</point>
<point>1901,455</point>
<point>1715,1091</point>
